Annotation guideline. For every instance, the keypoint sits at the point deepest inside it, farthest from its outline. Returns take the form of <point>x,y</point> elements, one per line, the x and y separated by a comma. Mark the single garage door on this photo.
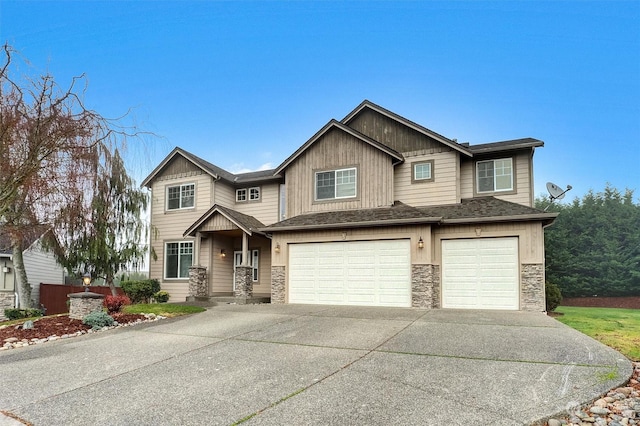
<point>480,273</point>
<point>367,273</point>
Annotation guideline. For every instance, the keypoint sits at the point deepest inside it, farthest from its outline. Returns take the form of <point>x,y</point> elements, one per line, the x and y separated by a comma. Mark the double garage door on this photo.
<point>480,273</point>
<point>367,273</point>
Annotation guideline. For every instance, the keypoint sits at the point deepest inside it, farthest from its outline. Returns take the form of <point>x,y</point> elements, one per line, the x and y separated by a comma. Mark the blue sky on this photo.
<point>244,84</point>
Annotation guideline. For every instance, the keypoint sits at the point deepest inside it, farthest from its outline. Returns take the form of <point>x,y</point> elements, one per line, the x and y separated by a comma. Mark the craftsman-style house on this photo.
<point>372,210</point>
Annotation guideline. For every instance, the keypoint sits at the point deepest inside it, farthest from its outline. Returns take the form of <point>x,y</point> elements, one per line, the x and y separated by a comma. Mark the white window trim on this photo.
<point>181,185</point>
<point>247,194</point>
<point>511,188</point>
<point>238,191</point>
<point>256,188</point>
<point>335,184</point>
<point>255,263</point>
<point>180,243</point>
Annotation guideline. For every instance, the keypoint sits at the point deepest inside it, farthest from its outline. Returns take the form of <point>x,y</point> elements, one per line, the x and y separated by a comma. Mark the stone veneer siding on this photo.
<point>425,286</point>
<point>532,291</point>
<point>6,302</point>
<point>82,304</point>
<point>198,285</point>
<point>278,284</point>
<point>244,283</point>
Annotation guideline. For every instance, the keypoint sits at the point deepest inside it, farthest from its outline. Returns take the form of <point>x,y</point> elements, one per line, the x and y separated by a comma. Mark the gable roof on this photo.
<point>30,236</point>
<point>334,124</point>
<point>211,169</point>
<point>246,223</point>
<point>366,104</point>
<point>472,210</point>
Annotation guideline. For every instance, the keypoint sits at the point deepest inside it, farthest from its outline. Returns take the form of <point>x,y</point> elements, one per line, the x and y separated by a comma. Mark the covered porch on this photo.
<point>232,259</point>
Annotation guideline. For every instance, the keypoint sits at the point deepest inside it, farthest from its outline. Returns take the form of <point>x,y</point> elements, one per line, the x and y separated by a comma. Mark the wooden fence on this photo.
<point>54,296</point>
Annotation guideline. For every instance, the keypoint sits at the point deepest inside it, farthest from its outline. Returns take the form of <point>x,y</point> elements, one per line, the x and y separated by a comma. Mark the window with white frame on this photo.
<point>178,259</point>
<point>336,184</point>
<point>248,194</point>
<point>422,171</point>
<point>181,196</point>
<point>494,175</point>
<point>255,263</point>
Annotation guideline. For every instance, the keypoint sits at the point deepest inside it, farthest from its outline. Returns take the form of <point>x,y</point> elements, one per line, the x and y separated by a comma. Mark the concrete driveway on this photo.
<point>299,364</point>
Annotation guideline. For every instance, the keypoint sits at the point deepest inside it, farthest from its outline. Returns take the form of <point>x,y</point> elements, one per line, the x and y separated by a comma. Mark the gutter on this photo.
<point>361,224</point>
<point>518,218</point>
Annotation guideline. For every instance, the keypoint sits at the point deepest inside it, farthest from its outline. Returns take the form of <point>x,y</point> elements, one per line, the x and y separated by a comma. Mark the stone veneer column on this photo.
<point>532,292</point>
<point>277,284</point>
<point>435,291</point>
<point>6,302</point>
<point>81,304</point>
<point>421,286</point>
<point>198,285</point>
<point>244,283</point>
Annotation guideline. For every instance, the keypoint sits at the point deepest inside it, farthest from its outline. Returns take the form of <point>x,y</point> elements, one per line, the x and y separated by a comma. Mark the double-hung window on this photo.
<point>336,184</point>
<point>181,196</point>
<point>494,175</point>
<point>178,259</point>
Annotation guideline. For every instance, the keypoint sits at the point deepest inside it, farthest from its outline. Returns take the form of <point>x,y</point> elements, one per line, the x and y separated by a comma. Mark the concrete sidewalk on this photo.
<point>299,364</point>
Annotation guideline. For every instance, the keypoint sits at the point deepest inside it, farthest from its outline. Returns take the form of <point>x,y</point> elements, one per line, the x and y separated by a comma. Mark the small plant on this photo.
<point>14,314</point>
<point>553,296</point>
<point>161,296</point>
<point>115,303</point>
<point>97,320</point>
<point>140,291</point>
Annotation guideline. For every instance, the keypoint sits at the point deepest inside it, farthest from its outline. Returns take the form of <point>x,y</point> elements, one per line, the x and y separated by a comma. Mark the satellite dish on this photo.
<point>555,192</point>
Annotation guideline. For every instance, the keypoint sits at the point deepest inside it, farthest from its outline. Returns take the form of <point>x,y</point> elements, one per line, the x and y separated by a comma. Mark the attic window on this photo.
<point>181,196</point>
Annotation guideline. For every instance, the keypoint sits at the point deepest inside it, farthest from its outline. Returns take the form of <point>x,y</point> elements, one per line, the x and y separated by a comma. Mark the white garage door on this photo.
<point>480,273</point>
<point>367,273</point>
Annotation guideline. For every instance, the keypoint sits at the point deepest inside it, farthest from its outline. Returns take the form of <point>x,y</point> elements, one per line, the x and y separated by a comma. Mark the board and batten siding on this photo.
<point>444,189</point>
<point>337,149</point>
<point>530,237</point>
<point>390,132</point>
<point>265,210</point>
<point>523,193</point>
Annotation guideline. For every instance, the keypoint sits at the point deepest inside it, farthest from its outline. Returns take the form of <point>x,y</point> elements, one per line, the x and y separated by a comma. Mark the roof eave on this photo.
<point>510,218</point>
<point>363,224</point>
<point>177,150</point>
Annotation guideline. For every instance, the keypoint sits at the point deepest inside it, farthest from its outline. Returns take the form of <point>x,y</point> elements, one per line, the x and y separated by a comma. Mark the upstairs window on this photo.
<point>494,175</point>
<point>336,184</point>
<point>181,196</point>
<point>248,194</point>
<point>422,171</point>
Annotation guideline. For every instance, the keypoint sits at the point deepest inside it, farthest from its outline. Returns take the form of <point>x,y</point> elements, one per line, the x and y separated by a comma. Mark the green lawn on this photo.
<point>164,309</point>
<point>617,328</point>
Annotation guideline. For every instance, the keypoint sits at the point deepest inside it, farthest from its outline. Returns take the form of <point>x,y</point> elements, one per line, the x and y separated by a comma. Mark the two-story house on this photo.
<point>373,210</point>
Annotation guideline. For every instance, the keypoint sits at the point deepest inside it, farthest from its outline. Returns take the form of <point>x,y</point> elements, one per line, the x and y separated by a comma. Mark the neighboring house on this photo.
<point>39,263</point>
<point>373,210</point>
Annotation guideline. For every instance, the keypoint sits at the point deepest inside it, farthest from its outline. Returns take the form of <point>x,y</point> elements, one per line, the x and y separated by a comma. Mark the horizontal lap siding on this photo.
<point>443,189</point>
<point>266,210</point>
<point>337,149</point>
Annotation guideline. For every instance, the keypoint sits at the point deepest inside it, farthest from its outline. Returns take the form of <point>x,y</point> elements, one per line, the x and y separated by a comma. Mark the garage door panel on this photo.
<point>371,273</point>
<point>480,273</point>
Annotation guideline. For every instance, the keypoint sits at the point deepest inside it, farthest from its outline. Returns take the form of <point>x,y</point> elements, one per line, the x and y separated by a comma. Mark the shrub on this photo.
<point>115,303</point>
<point>553,296</point>
<point>161,296</point>
<point>14,314</point>
<point>97,320</point>
<point>140,291</point>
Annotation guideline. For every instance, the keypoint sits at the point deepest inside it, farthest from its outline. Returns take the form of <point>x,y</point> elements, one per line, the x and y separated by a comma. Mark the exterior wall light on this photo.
<point>223,253</point>
<point>277,249</point>
<point>86,281</point>
<point>420,243</point>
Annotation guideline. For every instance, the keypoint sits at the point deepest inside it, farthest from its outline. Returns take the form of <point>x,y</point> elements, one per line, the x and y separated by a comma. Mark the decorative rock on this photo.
<point>599,410</point>
<point>600,403</point>
<point>11,340</point>
<point>28,325</point>
<point>554,422</point>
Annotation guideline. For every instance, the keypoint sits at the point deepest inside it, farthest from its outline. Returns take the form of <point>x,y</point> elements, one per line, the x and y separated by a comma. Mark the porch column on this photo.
<point>198,286</point>
<point>245,249</point>
<point>196,248</point>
